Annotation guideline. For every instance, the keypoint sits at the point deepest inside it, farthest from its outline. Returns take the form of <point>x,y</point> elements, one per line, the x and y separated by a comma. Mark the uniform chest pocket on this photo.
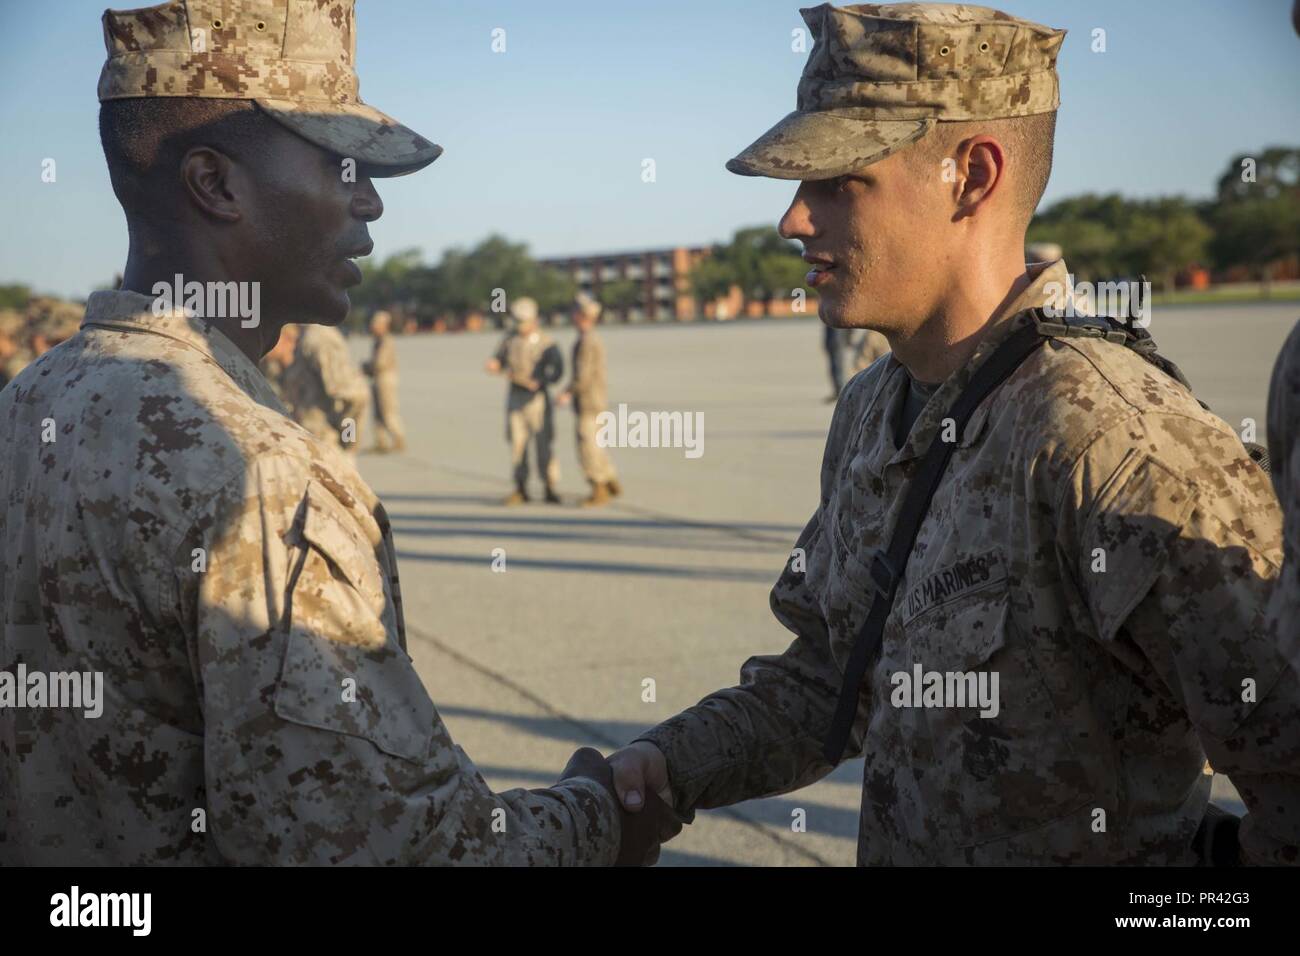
<point>344,671</point>
<point>1003,761</point>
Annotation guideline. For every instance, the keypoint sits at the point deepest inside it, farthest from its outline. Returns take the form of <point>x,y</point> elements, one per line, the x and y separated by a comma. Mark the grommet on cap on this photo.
<point>216,23</point>
<point>943,51</point>
<point>984,47</point>
<point>261,27</point>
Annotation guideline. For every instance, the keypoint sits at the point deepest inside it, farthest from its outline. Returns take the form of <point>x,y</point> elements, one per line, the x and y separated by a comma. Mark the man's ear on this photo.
<point>981,166</point>
<point>209,177</point>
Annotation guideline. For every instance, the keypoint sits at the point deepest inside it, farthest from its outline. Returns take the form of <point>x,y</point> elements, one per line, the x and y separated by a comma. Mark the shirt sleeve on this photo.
<point>765,735</point>
<point>321,744</point>
<point>1190,535</point>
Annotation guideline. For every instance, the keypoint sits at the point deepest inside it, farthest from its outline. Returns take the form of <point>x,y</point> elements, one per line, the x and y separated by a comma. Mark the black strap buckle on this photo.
<point>884,576</point>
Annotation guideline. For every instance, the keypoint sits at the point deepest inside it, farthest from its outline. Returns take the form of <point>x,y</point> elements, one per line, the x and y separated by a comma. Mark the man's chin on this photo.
<point>830,314</point>
<point>328,309</point>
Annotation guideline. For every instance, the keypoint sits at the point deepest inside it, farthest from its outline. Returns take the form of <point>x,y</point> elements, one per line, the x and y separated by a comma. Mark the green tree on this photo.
<point>1163,237</point>
<point>14,296</point>
<point>468,280</point>
<point>621,294</point>
<point>1090,230</point>
<point>757,260</point>
<point>1256,218</point>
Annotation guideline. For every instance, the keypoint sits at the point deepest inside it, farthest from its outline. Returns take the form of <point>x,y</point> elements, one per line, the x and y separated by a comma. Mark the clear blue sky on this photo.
<point>544,142</point>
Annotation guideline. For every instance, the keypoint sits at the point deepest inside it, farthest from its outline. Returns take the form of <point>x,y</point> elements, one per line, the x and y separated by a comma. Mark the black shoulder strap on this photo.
<point>1124,332</point>
<point>888,567</point>
<point>1137,339</point>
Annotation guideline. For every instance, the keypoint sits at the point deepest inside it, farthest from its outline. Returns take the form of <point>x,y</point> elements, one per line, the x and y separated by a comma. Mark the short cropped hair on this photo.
<point>145,138</point>
<point>1029,141</point>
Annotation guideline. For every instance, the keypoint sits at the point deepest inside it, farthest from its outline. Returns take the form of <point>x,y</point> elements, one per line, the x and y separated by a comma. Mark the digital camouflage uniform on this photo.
<point>226,687</point>
<point>232,579</point>
<point>273,370</point>
<point>382,368</point>
<point>1284,455</point>
<point>1098,541</point>
<point>325,389</point>
<point>1113,685</point>
<point>524,357</point>
<point>870,347</point>
<point>590,398</point>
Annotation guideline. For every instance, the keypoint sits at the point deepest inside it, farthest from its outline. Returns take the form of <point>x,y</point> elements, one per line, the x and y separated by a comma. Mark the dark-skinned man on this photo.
<point>167,527</point>
<point>1096,549</point>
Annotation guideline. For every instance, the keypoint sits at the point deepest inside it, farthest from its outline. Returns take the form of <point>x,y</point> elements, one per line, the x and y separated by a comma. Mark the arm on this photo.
<point>340,377</point>
<point>765,735</point>
<point>585,372</point>
<point>322,745</point>
<point>1192,555</point>
<point>496,364</point>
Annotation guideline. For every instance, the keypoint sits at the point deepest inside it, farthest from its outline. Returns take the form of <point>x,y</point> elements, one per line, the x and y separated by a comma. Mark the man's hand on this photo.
<point>566,396</point>
<point>492,366</point>
<point>654,821</point>
<point>640,768</point>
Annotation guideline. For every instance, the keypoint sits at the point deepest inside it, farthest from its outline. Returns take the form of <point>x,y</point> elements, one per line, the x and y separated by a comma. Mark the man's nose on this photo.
<point>797,221</point>
<point>366,203</point>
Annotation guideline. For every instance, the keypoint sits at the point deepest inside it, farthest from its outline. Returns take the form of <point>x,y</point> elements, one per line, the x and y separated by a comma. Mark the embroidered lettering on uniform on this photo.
<point>964,577</point>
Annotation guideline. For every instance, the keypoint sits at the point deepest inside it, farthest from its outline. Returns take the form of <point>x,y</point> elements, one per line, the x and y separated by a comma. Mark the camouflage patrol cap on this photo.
<point>293,58</point>
<point>879,77</point>
<point>524,311</point>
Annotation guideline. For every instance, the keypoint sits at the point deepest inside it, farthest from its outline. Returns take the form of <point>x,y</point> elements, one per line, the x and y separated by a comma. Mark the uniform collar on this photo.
<point>132,312</point>
<point>1049,279</point>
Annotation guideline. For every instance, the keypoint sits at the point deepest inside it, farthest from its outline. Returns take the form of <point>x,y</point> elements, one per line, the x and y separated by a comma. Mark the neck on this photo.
<point>155,259</point>
<point>971,305</point>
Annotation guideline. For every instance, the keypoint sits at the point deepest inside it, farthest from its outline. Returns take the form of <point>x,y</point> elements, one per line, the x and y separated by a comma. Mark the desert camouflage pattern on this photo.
<point>1284,456</point>
<point>528,359</point>
<point>382,369</point>
<point>273,370</point>
<point>294,58</point>
<point>871,346</point>
<point>879,76</point>
<point>589,387</point>
<point>325,388</point>
<point>590,382</point>
<point>1114,684</point>
<point>270,688</point>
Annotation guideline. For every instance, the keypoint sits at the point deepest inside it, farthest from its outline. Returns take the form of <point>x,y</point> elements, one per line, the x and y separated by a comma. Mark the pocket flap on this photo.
<point>371,693</point>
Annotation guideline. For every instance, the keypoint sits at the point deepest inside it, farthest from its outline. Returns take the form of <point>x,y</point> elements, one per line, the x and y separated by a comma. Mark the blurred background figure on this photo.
<point>13,353</point>
<point>531,361</point>
<point>326,390</point>
<point>833,342</point>
<point>52,322</point>
<point>382,369</point>
<point>276,362</point>
<point>869,347</point>
<point>587,389</point>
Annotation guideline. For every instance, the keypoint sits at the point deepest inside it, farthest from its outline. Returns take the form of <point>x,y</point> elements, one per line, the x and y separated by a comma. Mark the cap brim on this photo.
<point>357,131</point>
<point>824,144</point>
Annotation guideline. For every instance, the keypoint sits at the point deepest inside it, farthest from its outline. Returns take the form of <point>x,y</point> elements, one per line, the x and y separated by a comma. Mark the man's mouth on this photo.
<point>349,265</point>
<point>821,270</point>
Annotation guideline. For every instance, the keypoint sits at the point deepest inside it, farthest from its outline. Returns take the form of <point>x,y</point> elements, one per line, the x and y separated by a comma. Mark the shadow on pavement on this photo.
<point>521,530</point>
<point>588,567</point>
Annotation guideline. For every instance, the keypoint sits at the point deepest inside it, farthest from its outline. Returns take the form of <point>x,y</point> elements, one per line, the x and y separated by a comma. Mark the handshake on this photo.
<point>637,778</point>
